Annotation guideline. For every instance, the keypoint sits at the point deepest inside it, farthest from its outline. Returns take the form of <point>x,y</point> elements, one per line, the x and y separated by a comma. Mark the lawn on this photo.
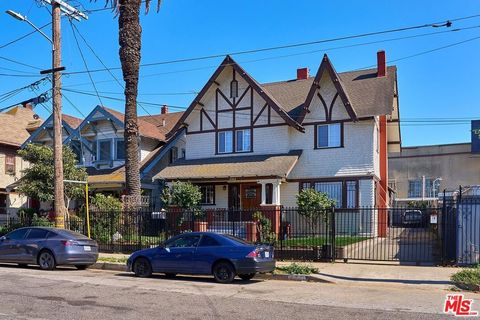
<point>340,241</point>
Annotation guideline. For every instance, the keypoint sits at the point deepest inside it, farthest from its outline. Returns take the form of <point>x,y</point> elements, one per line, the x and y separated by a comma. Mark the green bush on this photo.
<point>469,277</point>
<point>105,220</point>
<point>38,221</point>
<point>264,228</point>
<point>295,268</point>
<point>313,206</point>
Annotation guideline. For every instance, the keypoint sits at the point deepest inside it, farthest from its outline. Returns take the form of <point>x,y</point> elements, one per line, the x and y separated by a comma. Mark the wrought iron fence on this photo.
<point>442,234</point>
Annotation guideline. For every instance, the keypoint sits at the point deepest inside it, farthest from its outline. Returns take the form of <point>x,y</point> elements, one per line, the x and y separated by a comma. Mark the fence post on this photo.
<point>333,234</point>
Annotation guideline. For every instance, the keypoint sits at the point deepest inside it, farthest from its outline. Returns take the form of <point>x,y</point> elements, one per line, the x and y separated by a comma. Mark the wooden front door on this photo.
<point>251,195</point>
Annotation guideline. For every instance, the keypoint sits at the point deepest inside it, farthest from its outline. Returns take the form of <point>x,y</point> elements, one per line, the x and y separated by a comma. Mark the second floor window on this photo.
<point>242,143</point>
<point>415,188</point>
<point>329,136</point>
<point>104,150</point>
<point>9,164</point>
<point>120,147</point>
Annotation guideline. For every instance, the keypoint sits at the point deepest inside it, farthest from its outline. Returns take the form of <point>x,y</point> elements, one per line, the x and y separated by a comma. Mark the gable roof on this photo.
<point>170,119</point>
<point>73,122</point>
<point>145,128</point>
<point>228,61</point>
<point>67,122</point>
<point>15,124</point>
<point>368,94</point>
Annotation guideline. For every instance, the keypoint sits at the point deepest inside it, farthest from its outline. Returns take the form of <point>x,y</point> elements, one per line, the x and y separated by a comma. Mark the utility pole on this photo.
<point>58,7</point>
<point>59,198</point>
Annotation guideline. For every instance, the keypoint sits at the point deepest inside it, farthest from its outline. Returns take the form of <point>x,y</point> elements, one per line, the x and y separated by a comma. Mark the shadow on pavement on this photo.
<point>187,278</point>
<point>404,281</point>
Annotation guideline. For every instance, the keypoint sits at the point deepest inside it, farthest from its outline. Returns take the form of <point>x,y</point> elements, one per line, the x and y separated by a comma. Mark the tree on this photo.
<point>37,180</point>
<point>130,39</point>
<point>314,205</point>
<point>184,195</point>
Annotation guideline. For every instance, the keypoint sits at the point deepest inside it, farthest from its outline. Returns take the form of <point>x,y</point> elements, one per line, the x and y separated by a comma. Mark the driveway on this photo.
<point>71,294</point>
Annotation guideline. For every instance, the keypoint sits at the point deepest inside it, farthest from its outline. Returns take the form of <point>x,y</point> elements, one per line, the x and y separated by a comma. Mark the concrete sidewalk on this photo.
<point>370,273</point>
<point>383,274</point>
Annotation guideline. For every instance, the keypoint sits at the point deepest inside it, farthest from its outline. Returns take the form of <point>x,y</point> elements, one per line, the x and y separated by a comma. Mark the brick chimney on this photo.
<point>302,74</point>
<point>164,109</point>
<point>381,64</point>
<point>28,105</point>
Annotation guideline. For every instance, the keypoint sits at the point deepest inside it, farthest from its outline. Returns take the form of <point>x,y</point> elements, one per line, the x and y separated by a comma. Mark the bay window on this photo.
<point>344,192</point>
<point>104,150</point>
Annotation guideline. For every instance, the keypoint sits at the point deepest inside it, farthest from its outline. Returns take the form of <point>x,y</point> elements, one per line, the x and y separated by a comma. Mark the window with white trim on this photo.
<point>120,149</point>
<point>225,142</point>
<point>9,163</point>
<point>329,135</point>
<point>243,140</point>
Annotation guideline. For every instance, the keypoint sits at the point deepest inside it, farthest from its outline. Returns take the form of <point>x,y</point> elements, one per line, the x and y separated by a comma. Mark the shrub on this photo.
<point>295,268</point>
<point>314,205</point>
<point>264,228</point>
<point>467,278</point>
<point>106,219</point>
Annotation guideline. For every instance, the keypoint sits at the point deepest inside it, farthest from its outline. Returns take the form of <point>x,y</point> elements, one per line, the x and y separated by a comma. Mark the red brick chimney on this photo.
<point>381,64</point>
<point>164,109</point>
<point>302,74</point>
<point>28,105</point>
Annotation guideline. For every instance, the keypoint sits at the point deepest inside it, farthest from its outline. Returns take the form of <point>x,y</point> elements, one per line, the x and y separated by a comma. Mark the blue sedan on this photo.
<point>204,253</point>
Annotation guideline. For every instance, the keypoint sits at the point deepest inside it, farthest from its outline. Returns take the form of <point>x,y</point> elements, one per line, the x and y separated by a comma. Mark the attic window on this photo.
<point>234,89</point>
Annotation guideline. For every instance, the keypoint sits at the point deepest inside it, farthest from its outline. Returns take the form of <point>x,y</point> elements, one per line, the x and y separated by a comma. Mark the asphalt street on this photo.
<point>29,293</point>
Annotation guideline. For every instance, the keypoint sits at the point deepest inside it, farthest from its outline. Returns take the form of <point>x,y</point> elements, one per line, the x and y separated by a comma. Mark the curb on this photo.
<point>263,276</point>
<point>292,277</point>
<point>109,266</point>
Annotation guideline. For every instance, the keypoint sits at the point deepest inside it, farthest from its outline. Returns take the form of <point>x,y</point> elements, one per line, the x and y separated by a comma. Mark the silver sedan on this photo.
<point>48,248</point>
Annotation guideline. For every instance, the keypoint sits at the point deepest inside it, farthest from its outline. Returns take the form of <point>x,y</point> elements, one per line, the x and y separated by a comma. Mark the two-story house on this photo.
<point>99,144</point>
<point>17,123</point>
<point>252,145</point>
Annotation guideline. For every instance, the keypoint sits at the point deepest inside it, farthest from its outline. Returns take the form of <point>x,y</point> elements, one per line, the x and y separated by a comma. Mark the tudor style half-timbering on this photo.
<point>253,145</point>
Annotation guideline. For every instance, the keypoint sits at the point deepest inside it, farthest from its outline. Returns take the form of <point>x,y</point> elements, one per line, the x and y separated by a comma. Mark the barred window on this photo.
<point>332,189</point>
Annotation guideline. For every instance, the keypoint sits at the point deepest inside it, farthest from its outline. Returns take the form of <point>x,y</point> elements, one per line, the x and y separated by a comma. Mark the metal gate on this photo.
<point>406,235</point>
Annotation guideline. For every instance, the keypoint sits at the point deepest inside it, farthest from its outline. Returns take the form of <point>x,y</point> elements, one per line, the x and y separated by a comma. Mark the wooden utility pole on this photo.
<point>59,201</point>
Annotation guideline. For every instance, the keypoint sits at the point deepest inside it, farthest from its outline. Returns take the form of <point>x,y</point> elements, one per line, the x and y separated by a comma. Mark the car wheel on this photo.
<point>246,277</point>
<point>82,266</point>
<point>170,275</point>
<point>142,268</point>
<point>46,260</point>
<point>224,272</point>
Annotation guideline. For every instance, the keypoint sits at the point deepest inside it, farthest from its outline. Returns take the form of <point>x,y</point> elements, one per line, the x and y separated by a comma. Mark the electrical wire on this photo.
<point>24,36</point>
<point>446,23</point>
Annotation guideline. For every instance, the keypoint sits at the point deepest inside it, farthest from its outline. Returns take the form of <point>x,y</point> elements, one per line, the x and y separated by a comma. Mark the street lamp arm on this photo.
<point>38,30</point>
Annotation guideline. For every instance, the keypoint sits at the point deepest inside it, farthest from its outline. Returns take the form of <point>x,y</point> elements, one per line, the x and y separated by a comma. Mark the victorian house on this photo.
<point>251,145</point>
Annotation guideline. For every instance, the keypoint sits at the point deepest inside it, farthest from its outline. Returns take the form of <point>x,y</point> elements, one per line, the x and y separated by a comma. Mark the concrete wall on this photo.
<point>453,163</point>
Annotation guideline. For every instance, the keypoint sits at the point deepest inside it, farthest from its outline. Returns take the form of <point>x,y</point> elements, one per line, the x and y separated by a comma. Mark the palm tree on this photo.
<point>130,40</point>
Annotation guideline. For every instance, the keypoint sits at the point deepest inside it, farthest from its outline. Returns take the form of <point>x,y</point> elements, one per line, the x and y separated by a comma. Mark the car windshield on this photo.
<point>236,239</point>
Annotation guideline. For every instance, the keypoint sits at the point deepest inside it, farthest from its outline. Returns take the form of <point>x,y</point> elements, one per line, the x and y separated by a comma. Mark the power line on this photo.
<point>301,44</point>
<point>24,36</point>
<point>20,63</point>
<point>85,62</point>
<point>305,52</point>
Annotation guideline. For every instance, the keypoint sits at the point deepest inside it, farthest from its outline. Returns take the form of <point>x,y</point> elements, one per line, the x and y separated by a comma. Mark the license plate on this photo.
<point>267,254</point>
<point>87,248</point>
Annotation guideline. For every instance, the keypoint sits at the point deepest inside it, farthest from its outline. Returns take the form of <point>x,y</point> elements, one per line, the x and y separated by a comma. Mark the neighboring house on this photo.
<point>16,124</point>
<point>99,144</point>
<point>421,173</point>
<point>251,145</point>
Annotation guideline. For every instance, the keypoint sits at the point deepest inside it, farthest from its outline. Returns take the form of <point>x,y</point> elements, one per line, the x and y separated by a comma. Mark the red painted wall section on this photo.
<point>382,186</point>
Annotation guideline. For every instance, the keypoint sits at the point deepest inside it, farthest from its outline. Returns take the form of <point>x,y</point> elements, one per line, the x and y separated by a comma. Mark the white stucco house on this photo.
<point>251,145</point>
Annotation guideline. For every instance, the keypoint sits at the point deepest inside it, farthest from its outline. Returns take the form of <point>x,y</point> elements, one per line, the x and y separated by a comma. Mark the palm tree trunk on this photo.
<point>130,33</point>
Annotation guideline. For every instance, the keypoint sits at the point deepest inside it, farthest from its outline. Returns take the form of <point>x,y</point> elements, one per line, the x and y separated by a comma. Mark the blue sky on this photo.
<point>441,84</point>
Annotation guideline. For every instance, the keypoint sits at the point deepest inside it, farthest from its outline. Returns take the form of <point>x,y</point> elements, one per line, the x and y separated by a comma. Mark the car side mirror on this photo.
<point>3,238</point>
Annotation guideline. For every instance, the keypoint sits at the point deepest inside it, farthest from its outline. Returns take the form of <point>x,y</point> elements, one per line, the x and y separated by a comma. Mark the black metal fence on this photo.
<point>430,235</point>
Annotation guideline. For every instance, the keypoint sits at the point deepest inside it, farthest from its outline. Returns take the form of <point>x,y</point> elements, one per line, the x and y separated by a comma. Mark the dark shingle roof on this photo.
<point>369,95</point>
<point>278,165</point>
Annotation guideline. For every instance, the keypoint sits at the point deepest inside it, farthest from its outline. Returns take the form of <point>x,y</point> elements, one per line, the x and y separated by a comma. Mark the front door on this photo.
<point>251,195</point>
<point>234,196</point>
<point>3,203</point>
